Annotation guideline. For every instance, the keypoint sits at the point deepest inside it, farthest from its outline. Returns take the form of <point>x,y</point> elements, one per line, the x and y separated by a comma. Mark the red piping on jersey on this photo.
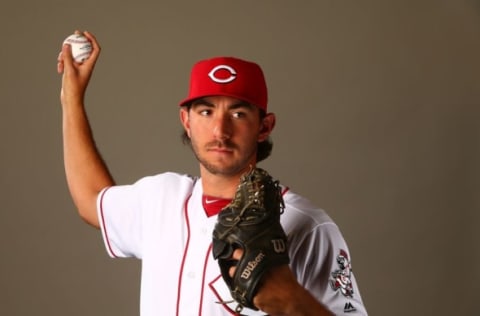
<point>184,255</point>
<point>220,300</point>
<point>203,278</point>
<point>104,226</point>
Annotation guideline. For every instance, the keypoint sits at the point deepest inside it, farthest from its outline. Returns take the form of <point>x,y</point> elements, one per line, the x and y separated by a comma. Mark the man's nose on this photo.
<point>222,128</point>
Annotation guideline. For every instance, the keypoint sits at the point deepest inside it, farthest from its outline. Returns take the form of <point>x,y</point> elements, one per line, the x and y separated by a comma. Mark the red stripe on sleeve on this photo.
<point>102,217</point>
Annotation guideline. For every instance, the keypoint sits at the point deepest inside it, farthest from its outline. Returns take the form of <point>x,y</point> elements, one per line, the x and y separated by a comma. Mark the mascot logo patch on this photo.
<point>342,278</point>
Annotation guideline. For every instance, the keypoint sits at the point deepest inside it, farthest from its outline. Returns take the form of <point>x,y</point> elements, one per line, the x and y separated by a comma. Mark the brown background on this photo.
<point>378,110</point>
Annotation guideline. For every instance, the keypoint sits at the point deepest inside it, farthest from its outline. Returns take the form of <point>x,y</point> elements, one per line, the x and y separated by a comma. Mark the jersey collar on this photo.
<point>213,205</point>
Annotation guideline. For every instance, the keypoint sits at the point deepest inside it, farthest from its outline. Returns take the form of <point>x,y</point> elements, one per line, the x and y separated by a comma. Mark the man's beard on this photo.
<point>232,169</point>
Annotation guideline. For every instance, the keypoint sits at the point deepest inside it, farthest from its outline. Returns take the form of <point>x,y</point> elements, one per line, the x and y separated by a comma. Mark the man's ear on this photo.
<point>185,119</point>
<point>266,127</point>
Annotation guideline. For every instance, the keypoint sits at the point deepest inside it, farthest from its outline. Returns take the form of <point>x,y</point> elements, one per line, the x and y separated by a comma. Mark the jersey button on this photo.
<point>191,275</point>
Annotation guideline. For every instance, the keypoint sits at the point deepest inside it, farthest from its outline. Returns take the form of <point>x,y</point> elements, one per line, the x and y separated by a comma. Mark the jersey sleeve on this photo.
<point>119,214</point>
<point>321,260</point>
<point>130,214</point>
<point>327,271</point>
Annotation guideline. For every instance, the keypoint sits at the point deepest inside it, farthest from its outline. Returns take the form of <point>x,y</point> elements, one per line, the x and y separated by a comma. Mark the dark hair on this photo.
<point>264,149</point>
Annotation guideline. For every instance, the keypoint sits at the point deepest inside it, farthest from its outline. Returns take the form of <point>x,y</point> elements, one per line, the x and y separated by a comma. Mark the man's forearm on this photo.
<point>282,295</point>
<point>85,169</point>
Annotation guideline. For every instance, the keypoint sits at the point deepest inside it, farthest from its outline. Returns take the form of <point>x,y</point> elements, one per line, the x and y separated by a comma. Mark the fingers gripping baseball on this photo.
<point>248,239</point>
<point>76,73</point>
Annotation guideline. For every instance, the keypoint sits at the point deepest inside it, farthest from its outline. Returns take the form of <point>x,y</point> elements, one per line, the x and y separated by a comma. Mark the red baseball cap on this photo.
<point>228,76</point>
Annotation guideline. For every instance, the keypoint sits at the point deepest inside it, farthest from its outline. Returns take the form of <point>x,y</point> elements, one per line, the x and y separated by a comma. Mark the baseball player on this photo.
<point>166,220</point>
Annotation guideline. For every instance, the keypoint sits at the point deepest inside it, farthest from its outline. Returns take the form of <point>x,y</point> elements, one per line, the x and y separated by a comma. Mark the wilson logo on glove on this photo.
<point>279,245</point>
<point>252,265</point>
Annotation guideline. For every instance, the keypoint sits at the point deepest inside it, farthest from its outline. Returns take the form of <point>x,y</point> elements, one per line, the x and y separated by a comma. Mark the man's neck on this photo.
<point>219,185</point>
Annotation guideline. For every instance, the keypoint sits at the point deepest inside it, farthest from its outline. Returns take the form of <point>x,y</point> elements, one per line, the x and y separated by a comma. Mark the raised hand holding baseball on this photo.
<point>81,47</point>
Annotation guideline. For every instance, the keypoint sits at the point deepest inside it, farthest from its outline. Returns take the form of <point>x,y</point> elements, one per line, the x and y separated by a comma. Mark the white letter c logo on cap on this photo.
<point>233,74</point>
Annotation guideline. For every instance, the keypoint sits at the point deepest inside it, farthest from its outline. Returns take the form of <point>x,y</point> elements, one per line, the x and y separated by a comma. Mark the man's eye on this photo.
<point>238,114</point>
<point>205,112</point>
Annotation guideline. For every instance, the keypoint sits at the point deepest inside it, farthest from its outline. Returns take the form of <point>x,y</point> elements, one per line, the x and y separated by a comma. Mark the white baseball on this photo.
<point>81,47</point>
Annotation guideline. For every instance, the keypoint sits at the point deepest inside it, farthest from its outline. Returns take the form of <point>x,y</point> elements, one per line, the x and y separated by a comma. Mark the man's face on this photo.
<point>224,133</point>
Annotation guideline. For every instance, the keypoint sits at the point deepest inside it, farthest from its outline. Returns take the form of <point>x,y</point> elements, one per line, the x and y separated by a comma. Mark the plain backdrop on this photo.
<point>377,105</point>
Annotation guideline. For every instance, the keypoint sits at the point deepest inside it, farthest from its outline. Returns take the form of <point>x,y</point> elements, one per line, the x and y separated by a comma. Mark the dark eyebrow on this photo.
<point>242,104</point>
<point>239,105</point>
<point>201,101</point>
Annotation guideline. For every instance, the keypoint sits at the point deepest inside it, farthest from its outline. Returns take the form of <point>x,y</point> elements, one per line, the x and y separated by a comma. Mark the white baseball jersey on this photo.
<point>162,221</point>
